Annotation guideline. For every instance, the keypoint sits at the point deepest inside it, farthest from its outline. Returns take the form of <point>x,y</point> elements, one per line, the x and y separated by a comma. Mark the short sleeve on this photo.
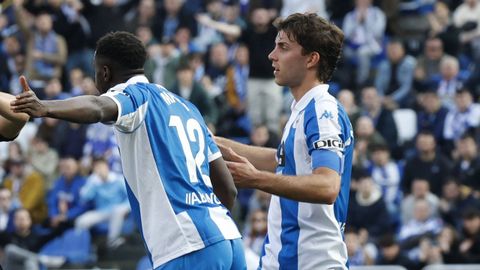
<point>132,105</point>
<point>213,151</point>
<point>322,133</point>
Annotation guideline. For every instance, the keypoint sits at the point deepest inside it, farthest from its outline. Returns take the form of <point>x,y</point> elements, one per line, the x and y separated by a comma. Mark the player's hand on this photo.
<point>27,102</point>
<point>243,172</point>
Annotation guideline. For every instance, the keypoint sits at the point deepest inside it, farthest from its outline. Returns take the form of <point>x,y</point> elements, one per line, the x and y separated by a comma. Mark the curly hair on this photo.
<point>315,34</point>
<point>123,48</point>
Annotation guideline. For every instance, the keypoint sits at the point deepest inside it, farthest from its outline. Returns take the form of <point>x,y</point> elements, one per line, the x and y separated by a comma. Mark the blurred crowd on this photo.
<point>415,200</point>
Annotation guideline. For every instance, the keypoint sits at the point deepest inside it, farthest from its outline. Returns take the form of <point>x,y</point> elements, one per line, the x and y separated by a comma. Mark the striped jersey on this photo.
<point>307,235</point>
<point>165,149</point>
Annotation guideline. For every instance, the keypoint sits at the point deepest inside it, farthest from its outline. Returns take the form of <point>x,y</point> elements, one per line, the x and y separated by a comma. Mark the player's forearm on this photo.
<point>262,158</point>
<point>314,188</point>
<point>83,109</point>
<point>10,123</point>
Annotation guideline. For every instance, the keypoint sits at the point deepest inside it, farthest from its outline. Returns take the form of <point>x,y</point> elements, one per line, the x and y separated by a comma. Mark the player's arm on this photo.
<point>262,158</point>
<point>222,182</point>
<point>82,109</point>
<point>10,123</point>
<point>322,186</point>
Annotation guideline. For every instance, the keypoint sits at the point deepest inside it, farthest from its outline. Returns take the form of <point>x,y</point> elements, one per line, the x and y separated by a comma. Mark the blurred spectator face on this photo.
<point>381,157</point>
<point>219,55</point>
<point>347,99</point>
<point>185,77</point>
<point>76,77</point>
<point>362,4</point>
<point>172,6</point>
<point>449,68</point>
<point>3,21</point>
<point>260,17</point>
<point>53,88</point>
<point>231,13</point>
<point>370,98</point>
<point>472,225</point>
<point>17,167</point>
<point>5,199</point>
<point>14,150</point>
<point>22,220</point>
<point>365,186</point>
<point>442,12</point>
<point>260,135</point>
<point>43,23</point>
<point>467,148</point>
<point>39,145</point>
<point>11,45</point>
<point>463,100</point>
<point>421,210</point>
<point>68,168</point>
<point>434,49</point>
<point>196,61</point>
<point>146,8</point>
<point>144,33</point>
<point>365,127</point>
<point>19,63</point>
<point>446,236</point>
<point>425,144</point>
<point>101,169</point>
<point>182,35</point>
<point>451,191</point>
<point>215,8</point>
<point>352,242</point>
<point>258,223</point>
<point>55,3</point>
<point>241,55</point>
<point>390,252</point>
<point>431,102</point>
<point>88,86</point>
<point>420,188</point>
<point>395,51</point>
<point>263,198</point>
<point>471,3</point>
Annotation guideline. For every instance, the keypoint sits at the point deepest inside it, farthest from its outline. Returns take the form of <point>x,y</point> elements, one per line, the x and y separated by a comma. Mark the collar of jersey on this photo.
<point>133,80</point>
<point>316,91</point>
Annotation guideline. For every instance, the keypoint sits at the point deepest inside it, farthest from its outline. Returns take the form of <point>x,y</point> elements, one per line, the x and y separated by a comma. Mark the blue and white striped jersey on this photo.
<point>165,149</point>
<point>306,235</point>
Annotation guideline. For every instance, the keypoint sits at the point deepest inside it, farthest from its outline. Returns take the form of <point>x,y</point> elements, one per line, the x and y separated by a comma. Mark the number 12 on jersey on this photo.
<point>191,133</point>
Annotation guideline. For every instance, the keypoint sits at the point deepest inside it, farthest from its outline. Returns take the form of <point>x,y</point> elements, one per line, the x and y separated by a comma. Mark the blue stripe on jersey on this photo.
<point>134,205</point>
<point>172,168</point>
<point>326,158</point>
<point>287,256</point>
<point>310,125</point>
<point>341,203</point>
<point>265,242</point>
<point>130,104</point>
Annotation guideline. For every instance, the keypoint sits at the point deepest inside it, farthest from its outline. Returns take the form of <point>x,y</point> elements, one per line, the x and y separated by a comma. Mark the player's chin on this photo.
<point>279,81</point>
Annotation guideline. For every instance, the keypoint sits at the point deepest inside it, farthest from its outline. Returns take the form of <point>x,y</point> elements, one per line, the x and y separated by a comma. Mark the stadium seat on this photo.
<point>406,122</point>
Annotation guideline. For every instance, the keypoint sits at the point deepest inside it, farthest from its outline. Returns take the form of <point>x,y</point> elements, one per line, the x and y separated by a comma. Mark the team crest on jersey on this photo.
<point>328,144</point>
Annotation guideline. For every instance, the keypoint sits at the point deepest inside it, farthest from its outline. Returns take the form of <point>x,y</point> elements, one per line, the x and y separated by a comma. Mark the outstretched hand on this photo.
<point>243,172</point>
<point>27,102</point>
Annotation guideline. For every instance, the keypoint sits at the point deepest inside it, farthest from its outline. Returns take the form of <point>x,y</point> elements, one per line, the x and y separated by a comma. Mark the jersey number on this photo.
<point>191,133</point>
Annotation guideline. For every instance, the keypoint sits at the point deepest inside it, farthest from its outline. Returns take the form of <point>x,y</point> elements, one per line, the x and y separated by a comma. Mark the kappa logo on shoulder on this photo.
<point>326,115</point>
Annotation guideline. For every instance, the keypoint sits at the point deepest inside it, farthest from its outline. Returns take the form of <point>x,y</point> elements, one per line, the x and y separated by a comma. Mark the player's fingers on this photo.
<point>24,98</point>
<point>24,84</point>
<point>234,156</point>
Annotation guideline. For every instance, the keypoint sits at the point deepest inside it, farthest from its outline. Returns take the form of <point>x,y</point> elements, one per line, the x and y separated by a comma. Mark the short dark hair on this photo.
<point>315,34</point>
<point>123,48</point>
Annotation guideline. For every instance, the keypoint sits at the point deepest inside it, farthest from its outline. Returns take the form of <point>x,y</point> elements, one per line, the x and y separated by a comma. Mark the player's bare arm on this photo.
<point>10,123</point>
<point>322,186</point>
<point>222,182</point>
<point>82,109</point>
<point>262,158</point>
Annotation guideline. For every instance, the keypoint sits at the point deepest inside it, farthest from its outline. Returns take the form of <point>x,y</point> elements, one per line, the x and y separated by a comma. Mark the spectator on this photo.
<point>256,231</point>
<point>467,165</point>
<point>170,16</point>
<point>64,199</point>
<point>10,68</point>
<point>381,116</point>
<point>358,255</point>
<point>28,189</point>
<point>44,160</point>
<point>428,64</point>
<point>441,26</point>
<point>46,50</point>
<point>69,139</point>
<point>364,29</point>
<point>106,191</point>
<point>367,208</point>
<point>22,246</point>
<point>394,77</point>
<point>427,163</point>
<point>467,17</point>
<point>141,15</point>
<point>392,254</point>
<point>386,173</point>
<point>347,98</point>
<point>432,114</point>
<point>294,6</point>
<point>6,211</point>
<point>465,115</point>
<point>420,191</point>
<point>101,143</point>
<point>448,242</point>
<point>450,81</point>
<point>365,136</point>
<point>453,202</point>
<point>470,241</point>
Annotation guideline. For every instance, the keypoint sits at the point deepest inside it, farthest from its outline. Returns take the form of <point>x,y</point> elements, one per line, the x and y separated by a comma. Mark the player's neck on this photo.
<point>299,91</point>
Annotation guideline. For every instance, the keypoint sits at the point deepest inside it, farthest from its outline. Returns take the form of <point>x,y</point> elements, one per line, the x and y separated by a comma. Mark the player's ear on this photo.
<point>107,73</point>
<point>313,59</point>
